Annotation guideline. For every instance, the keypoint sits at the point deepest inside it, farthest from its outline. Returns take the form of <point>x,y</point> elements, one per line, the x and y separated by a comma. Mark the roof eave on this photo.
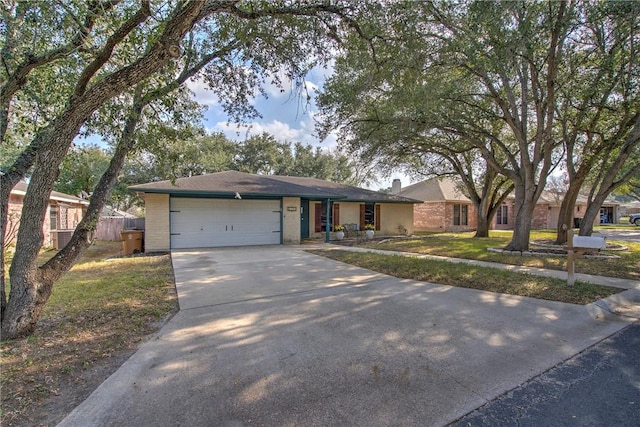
<point>231,194</point>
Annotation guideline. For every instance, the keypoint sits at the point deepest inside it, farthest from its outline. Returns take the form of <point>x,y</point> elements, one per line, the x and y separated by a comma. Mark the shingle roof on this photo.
<point>226,184</point>
<point>435,190</point>
<point>21,188</point>
<point>446,189</point>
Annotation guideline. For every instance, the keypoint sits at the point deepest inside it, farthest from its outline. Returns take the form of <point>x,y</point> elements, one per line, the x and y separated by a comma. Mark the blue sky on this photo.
<point>284,115</point>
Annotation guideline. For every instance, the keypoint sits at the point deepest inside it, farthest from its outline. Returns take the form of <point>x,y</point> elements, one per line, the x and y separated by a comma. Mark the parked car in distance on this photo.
<point>634,219</point>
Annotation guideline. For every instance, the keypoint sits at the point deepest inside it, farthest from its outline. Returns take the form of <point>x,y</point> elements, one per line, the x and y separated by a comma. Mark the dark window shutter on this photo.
<point>336,213</point>
<point>362,209</point>
<point>377,218</point>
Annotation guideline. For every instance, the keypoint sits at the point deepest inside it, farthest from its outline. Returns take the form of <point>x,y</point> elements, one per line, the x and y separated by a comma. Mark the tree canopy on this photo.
<point>114,68</point>
<point>260,154</point>
<point>500,79</point>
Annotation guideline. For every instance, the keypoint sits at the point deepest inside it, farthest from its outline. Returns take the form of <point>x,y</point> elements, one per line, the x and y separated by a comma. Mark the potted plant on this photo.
<point>339,230</point>
<point>369,230</point>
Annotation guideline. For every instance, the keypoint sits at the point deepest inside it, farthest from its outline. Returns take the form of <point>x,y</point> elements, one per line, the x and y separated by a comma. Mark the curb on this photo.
<point>626,304</point>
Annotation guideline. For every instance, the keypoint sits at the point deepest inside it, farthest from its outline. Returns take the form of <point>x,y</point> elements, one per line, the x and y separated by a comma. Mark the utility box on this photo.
<point>131,241</point>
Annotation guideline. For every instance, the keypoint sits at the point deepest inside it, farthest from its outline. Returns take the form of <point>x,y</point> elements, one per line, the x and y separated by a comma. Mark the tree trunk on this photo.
<point>611,180</point>
<point>482,230</point>
<point>586,226</point>
<point>31,286</point>
<point>483,217</point>
<point>567,209</point>
<point>36,285</point>
<point>525,202</point>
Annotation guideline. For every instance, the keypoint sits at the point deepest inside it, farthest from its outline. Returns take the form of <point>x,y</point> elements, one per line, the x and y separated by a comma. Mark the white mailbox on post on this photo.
<point>578,246</point>
<point>589,242</point>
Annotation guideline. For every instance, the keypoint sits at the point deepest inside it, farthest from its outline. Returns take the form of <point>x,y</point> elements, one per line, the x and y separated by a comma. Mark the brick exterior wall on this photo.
<point>438,216</point>
<point>541,218</point>
<point>157,226</point>
<point>15,211</point>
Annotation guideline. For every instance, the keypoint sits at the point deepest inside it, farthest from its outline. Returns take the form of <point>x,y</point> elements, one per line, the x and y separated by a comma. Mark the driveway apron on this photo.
<point>276,336</point>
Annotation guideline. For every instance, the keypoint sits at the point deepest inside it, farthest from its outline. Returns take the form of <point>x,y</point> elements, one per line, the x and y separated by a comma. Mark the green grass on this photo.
<point>464,245</point>
<point>465,276</point>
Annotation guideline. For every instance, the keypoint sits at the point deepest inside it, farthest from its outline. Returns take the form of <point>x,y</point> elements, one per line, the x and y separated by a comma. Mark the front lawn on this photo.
<point>97,316</point>
<point>464,245</point>
<point>467,276</point>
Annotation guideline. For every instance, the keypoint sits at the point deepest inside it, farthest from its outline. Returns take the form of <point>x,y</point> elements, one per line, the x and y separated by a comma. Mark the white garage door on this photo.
<point>206,223</point>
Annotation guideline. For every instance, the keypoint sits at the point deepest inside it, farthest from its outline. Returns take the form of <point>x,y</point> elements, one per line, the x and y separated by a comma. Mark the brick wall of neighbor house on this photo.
<point>429,216</point>
<point>541,218</point>
<point>291,220</point>
<point>396,218</point>
<point>157,227</point>
<point>46,228</point>
<point>15,209</point>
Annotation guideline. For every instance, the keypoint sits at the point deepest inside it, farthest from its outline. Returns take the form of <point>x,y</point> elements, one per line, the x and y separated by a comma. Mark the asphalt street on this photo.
<point>598,387</point>
<point>630,234</point>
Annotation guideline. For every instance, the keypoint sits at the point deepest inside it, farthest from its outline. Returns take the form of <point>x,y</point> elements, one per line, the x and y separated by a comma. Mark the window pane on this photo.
<point>369,213</point>
<point>502,215</point>
<point>53,217</point>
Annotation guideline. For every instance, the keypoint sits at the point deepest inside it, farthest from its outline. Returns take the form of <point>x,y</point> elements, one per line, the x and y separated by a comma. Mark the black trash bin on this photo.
<point>576,222</point>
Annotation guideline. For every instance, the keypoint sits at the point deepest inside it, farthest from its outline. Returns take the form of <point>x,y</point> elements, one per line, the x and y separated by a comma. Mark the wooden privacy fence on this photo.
<point>109,227</point>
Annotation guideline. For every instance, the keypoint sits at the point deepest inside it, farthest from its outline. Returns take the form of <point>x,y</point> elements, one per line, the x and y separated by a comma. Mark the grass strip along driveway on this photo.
<point>97,316</point>
<point>464,245</point>
<point>467,276</point>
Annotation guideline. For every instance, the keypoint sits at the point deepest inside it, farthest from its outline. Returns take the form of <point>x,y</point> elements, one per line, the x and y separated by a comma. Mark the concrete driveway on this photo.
<point>275,336</point>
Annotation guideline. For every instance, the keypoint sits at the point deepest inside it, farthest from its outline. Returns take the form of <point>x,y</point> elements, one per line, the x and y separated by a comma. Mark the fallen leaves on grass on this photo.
<point>96,318</point>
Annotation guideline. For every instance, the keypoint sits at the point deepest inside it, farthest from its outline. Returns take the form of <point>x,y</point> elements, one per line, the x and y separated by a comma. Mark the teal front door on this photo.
<point>304,218</point>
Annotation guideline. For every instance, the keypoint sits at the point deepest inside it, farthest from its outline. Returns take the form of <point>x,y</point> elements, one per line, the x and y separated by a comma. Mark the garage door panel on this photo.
<point>218,222</point>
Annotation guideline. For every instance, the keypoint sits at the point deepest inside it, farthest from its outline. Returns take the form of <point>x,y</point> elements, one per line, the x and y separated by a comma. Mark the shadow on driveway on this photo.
<point>276,336</point>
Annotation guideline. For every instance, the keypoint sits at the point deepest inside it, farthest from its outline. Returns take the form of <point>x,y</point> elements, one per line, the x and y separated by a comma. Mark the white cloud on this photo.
<point>281,131</point>
<point>202,93</point>
<point>302,131</point>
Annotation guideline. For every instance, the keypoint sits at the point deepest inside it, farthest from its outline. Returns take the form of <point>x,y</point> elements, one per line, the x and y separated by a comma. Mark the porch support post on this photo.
<point>327,237</point>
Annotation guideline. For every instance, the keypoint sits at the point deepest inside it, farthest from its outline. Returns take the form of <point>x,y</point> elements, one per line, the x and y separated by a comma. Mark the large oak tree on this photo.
<point>485,72</point>
<point>63,62</point>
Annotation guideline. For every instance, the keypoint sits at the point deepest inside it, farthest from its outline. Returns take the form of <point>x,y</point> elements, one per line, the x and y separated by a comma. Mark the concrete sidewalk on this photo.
<point>277,336</point>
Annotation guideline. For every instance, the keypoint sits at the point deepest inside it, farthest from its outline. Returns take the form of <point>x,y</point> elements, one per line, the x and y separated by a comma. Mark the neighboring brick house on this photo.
<point>64,213</point>
<point>547,212</point>
<point>445,208</point>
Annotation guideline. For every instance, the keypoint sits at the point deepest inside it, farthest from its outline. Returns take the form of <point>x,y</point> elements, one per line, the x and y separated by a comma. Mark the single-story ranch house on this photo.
<point>236,209</point>
<point>446,208</point>
<point>64,213</point>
